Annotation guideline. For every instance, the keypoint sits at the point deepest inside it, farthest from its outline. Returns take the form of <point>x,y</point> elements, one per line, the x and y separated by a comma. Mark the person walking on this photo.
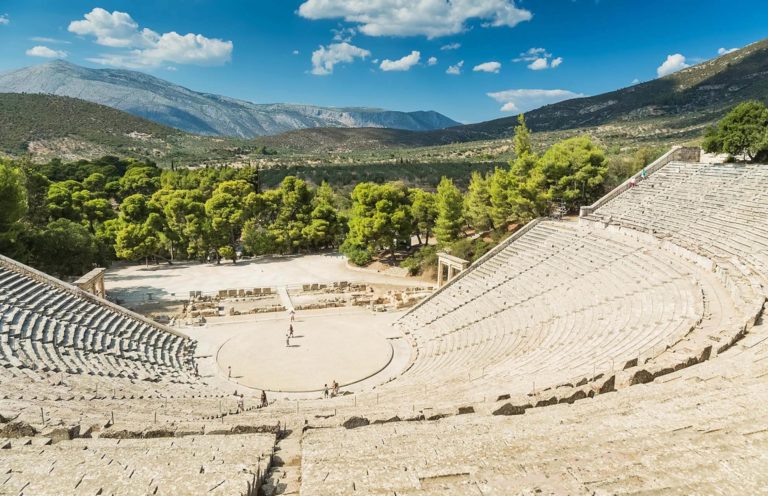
<point>325,390</point>
<point>287,340</point>
<point>293,314</point>
<point>229,372</point>
<point>263,398</point>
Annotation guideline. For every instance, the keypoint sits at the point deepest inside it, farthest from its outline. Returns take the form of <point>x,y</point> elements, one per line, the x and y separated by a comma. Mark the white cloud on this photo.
<point>295,52</point>
<point>403,64</point>
<point>539,64</point>
<point>432,61</point>
<point>635,81</point>
<point>148,48</point>
<point>431,18</point>
<point>455,70</point>
<point>674,63</point>
<point>492,67</point>
<point>725,51</point>
<point>44,51</point>
<point>528,99</point>
<point>532,54</point>
<point>325,58</point>
<point>539,59</point>
<point>450,46</point>
<point>42,39</point>
<point>343,34</point>
<point>4,20</point>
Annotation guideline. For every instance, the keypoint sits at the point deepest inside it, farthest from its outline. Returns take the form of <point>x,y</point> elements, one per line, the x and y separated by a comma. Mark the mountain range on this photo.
<point>201,113</point>
<point>672,109</point>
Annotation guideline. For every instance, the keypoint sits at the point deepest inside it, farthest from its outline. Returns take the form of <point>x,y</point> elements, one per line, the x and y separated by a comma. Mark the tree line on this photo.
<point>66,218</point>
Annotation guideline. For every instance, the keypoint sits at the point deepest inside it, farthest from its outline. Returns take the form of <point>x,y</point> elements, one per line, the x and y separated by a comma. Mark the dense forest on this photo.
<point>64,218</point>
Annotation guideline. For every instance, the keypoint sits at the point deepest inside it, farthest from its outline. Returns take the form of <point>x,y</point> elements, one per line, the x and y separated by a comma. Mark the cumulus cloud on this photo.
<point>523,100</point>
<point>4,20</point>
<point>431,18</point>
<point>44,51</point>
<point>725,51</point>
<point>450,46</point>
<point>674,63</point>
<point>295,52</point>
<point>146,48</point>
<point>539,59</point>
<point>325,58</point>
<point>492,67</point>
<point>539,64</point>
<point>402,64</point>
<point>432,61</point>
<point>455,70</point>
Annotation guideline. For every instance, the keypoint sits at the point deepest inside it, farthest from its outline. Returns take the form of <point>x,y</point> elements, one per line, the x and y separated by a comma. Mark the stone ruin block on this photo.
<point>306,287</point>
<point>240,292</point>
<point>266,291</point>
<point>222,293</point>
<point>232,293</point>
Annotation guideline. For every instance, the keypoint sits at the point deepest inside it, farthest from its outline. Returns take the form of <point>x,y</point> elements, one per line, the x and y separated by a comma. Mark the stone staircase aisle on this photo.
<point>284,476</point>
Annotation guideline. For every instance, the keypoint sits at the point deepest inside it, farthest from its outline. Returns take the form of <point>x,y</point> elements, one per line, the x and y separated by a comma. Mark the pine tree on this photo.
<point>450,217</point>
<point>477,204</point>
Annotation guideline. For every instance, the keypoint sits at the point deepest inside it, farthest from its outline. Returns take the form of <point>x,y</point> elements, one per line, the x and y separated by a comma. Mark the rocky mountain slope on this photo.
<point>47,126</point>
<point>202,113</point>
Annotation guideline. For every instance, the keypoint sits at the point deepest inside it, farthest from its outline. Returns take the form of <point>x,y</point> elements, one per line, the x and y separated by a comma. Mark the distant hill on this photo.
<point>201,113</point>
<point>675,107</point>
<point>47,126</point>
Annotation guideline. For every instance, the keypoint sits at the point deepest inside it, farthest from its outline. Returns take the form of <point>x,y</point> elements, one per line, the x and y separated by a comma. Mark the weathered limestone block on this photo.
<point>17,429</point>
<point>510,409</point>
<point>355,422</point>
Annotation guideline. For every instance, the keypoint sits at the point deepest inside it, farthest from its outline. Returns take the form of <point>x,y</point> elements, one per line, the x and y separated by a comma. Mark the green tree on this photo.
<point>743,131</point>
<point>325,227</point>
<point>65,248</point>
<point>424,211</point>
<point>477,203</point>
<point>380,219</point>
<point>574,171</point>
<point>13,195</point>
<point>140,179</point>
<point>450,215</point>
<point>522,140</point>
<point>499,187</point>
<point>227,214</point>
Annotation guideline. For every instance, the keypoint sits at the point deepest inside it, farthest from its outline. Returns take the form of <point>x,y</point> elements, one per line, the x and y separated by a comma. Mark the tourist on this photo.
<point>643,174</point>
<point>293,314</point>
<point>290,330</point>
<point>241,403</point>
<point>263,398</point>
<point>325,390</point>
<point>229,372</point>
<point>287,340</point>
<point>632,182</point>
<point>335,389</point>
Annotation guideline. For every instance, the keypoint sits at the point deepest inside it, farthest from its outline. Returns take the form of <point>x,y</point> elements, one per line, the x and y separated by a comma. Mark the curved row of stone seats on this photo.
<point>46,324</point>
<point>700,430</point>
<point>715,210</point>
<point>558,303</point>
<point>213,464</point>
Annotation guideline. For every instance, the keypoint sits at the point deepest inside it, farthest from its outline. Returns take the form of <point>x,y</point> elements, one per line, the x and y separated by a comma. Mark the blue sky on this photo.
<point>377,52</point>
